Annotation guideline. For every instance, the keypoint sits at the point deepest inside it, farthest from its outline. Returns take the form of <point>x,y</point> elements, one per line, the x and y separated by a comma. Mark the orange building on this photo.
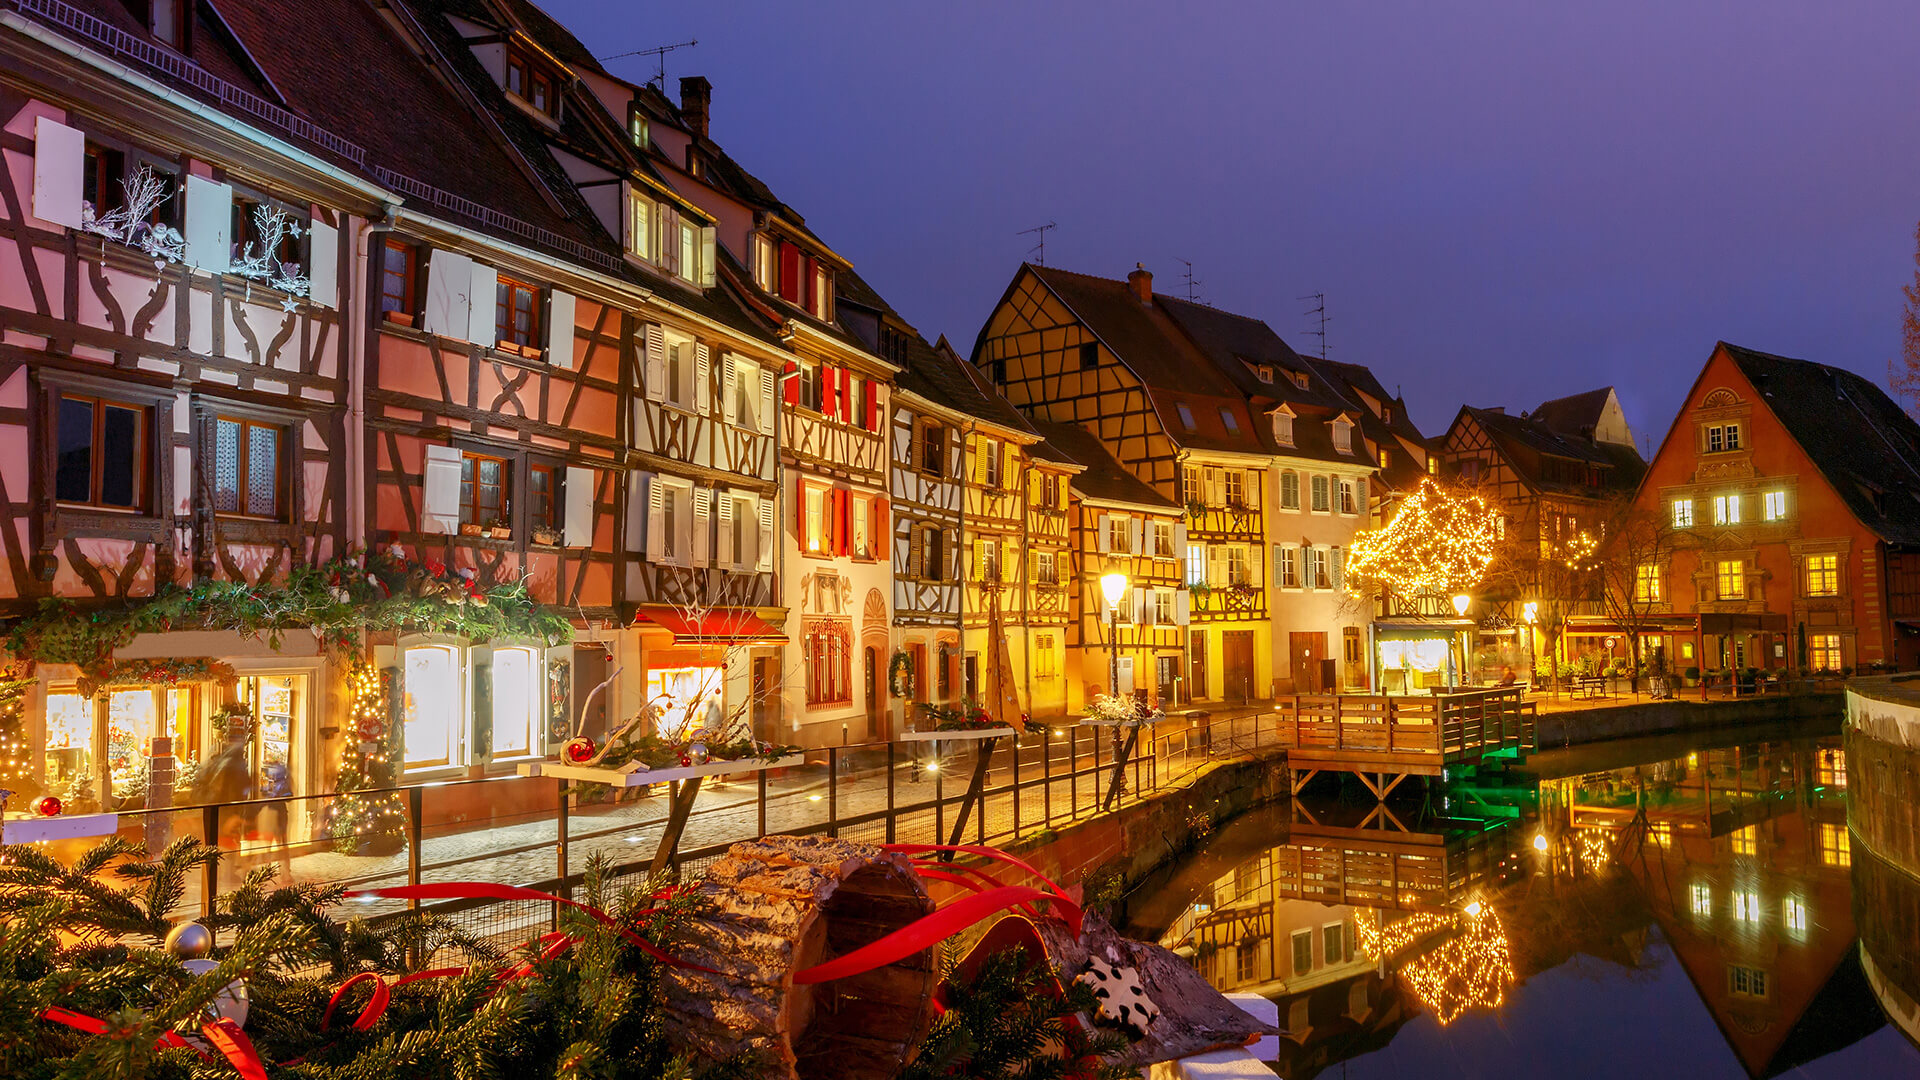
<point>1789,488</point>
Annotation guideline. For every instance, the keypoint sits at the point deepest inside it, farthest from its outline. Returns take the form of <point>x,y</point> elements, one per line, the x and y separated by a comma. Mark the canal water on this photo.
<point>1654,908</point>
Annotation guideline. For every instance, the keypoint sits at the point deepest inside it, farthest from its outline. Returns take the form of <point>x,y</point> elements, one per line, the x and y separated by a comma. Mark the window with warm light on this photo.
<point>1722,438</point>
<point>1793,915</point>
<point>1196,565</point>
<point>1163,540</point>
<point>1726,509</point>
<point>1823,575</point>
<point>689,699</point>
<point>432,707</point>
<point>516,702</point>
<point>1662,834</point>
<point>1773,506</point>
<point>1830,767</point>
<point>1646,584</point>
<point>1836,848</point>
<point>1046,568</point>
<point>1700,896</point>
<point>1746,907</point>
<point>816,510</point>
<point>1237,570</point>
<point>1683,513</point>
<point>1730,579</point>
<point>1744,840</point>
<point>1823,652</point>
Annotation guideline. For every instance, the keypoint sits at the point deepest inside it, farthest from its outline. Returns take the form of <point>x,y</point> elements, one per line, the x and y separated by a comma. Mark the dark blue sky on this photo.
<point>1503,202</point>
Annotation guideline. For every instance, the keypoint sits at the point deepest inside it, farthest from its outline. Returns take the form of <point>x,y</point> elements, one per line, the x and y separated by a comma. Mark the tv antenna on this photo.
<point>660,54</point>
<point>1039,250</point>
<point>1192,284</point>
<point>1318,310</point>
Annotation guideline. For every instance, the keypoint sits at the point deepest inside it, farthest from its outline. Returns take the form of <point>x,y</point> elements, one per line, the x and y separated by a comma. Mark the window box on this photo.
<point>469,528</point>
<point>547,535</point>
<point>500,532</point>
<point>399,318</point>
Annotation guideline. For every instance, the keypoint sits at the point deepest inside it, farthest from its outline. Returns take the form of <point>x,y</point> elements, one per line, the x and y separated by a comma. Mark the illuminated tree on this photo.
<point>1440,542</point>
<point>1553,567</point>
<point>1903,375</point>
<point>1633,571</point>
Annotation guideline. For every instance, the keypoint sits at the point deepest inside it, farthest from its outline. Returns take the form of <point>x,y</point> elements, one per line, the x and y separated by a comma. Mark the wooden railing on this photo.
<point>1455,726</point>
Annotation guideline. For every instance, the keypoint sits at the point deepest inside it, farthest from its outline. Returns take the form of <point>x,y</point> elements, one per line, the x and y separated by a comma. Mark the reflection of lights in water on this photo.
<point>1594,849</point>
<point>1539,841</point>
<point>933,766</point>
<point>1470,969</point>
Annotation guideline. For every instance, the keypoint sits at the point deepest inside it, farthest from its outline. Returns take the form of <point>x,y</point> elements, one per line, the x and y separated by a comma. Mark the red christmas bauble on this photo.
<point>47,806</point>
<point>370,728</point>
<point>685,760</point>
<point>579,751</point>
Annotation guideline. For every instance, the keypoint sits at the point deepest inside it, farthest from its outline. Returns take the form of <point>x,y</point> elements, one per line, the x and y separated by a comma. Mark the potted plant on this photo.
<point>470,528</point>
<point>500,529</point>
<point>546,534</point>
<point>1692,675</point>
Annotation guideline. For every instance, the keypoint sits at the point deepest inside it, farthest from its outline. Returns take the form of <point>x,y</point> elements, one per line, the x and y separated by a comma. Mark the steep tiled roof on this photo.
<point>1104,478</point>
<point>1620,466</point>
<point>1574,414</point>
<point>1863,443</point>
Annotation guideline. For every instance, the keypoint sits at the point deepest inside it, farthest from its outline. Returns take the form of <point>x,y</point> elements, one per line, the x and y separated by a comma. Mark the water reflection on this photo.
<point>1726,870</point>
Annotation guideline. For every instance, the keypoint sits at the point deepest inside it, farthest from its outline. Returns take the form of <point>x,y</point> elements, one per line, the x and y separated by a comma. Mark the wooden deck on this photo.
<point>1385,867</point>
<point>1385,739</point>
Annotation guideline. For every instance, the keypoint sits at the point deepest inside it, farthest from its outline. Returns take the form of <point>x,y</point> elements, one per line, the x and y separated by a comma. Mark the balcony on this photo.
<point>1228,602</point>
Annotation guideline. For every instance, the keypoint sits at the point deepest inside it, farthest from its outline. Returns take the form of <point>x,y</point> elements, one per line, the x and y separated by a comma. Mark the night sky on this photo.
<point>1503,202</point>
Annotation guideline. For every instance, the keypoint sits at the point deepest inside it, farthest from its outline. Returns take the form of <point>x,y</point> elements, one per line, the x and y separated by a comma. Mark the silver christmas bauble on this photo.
<point>189,941</point>
<point>697,753</point>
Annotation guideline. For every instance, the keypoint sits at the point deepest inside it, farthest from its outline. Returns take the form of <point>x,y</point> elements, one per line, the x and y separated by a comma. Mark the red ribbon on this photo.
<point>921,933</point>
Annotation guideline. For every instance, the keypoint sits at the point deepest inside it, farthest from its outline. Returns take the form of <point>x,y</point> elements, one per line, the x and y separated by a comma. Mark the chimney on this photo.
<point>1140,283</point>
<point>696,99</point>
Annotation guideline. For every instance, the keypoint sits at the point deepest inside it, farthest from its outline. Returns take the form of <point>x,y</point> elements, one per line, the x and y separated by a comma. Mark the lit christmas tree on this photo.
<point>367,824</point>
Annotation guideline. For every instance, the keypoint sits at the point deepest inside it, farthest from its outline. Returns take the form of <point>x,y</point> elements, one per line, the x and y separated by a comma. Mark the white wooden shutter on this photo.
<point>560,328</point>
<point>1137,531</point>
<point>763,553</point>
<point>323,264</point>
<point>482,321</point>
<point>769,399</point>
<point>1182,608</point>
<point>59,165</point>
<point>656,362</point>
<point>1140,607</point>
<point>440,501</point>
<point>209,225</point>
<point>1216,566</point>
<point>1180,541</point>
<point>1104,534</point>
<point>729,410</point>
<point>706,257</point>
<point>669,239</point>
<point>724,557</point>
<point>702,370</point>
<point>578,524</point>
<point>656,518</point>
<point>449,276</point>
<point>702,526</point>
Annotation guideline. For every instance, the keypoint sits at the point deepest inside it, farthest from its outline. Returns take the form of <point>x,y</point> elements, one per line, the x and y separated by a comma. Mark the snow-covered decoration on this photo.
<point>256,262</point>
<point>131,223</point>
<point>1123,1002</point>
<point>1112,709</point>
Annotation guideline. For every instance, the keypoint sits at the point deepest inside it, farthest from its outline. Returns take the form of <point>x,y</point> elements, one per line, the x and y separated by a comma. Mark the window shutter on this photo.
<point>1338,565</point>
<point>724,560</point>
<point>560,328</point>
<point>1182,608</point>
<point>656,363</point>
<point>916,546</point>
<point>837,522</point>
<point>1140,607</point>
<point>1105,532</point>
<point>1216,566</point>
<point>792,389</point>
<point>847,382</point>
<point>323,264</point>
<point>763,552</point>
<point>706,257</point>
<point>449,276</point>
<point>789,283</point>
<point>1256,568</point>
<point>482,326</point>
<point>59,165</point>
<point>951,545</point>
<point>1179,540</point>
<point>766,400</point>
<point>702,526</point>
<point>1137,530</point>
<point>877,521</point>
<point>806,283</point>
<point>1360,497</point>
<point>728,369</point>
<point>800,512</point>
<point>702,379</point>
<point>669,239</point>
<point>440,500</point>
<point>656,518</point>
<point>973,560</point>
<point>578,524</point>
<point>209,225</point>
<point>829,391</point>
<point>871,420</point>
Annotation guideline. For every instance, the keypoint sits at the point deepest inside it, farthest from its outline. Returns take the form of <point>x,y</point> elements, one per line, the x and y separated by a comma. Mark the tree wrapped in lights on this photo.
<point>16,762</point>
<point>1555,570</point>
<point>1440,543</point>
<point>366,820</point>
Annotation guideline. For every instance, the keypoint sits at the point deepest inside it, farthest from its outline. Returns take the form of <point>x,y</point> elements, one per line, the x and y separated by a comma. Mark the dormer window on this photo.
<point>659,235</point>
<point>794,275</point>
<point>1283,428</point>
<point>1386,413</point>
<point>1229,421</point>
<point>1343,436</point>
<point>171,21</point>
<point>1299,378</point>
<point>531,82</point>
<point>637,128</point>
<point>1186,415</point>
<point>1263,372</point>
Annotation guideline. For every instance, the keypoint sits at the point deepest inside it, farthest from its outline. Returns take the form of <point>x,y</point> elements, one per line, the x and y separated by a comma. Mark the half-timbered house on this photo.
<point>1119,524</point>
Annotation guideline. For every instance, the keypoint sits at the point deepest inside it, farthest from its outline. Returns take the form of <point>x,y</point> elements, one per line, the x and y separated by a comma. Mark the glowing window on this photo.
<point>1746,906</point>
<point>1823,575</point>
<point>516,702</point>
<point>1683,513</point>
<point>1702,899</point>
<point>432,707</point>
<point>1835,848</point>
<point>1773,506</point>
<point>1745,841</point>
<point>1793,913</point>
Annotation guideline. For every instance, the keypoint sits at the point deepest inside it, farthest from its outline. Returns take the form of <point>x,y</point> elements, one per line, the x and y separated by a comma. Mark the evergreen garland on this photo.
<point>1007,1023</point>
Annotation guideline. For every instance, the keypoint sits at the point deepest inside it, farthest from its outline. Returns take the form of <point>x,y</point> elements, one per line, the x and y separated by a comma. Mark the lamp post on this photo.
<point>1113,586</point>
<point>1531,612</point>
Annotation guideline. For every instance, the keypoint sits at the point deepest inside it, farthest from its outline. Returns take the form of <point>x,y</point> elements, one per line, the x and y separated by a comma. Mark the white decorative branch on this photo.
<point>131,223</point>
<point>276,227</point>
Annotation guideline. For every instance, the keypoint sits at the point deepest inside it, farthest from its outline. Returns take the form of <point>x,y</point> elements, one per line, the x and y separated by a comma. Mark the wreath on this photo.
<point>900,674</point>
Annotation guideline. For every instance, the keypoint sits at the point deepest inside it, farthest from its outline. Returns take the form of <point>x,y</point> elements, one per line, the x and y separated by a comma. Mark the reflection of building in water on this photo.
<point>1743,859</point>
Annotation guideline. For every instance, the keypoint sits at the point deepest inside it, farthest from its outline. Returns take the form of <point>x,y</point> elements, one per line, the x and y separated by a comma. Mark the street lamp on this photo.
<point>1461,601</point>
<point>1531,612</point>
<point>1460,604</point>
<point>1114,587</point>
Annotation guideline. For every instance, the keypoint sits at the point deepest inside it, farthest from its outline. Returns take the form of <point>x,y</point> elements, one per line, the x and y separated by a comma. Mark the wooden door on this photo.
<point>1306,651</point>
<point>1197,684</point>
<point>766,697</point>
<point>1236,655</point>
<point>873,691</point>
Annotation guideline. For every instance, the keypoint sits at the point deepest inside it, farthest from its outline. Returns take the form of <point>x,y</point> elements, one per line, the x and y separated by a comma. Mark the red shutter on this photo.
<point>846,396</point>
<point>789,272</point>
<point>829,390</point>
<point>880,546</point>
<point>806,282</point>
<point>800,513</point>
<point>873,405</point>
<point>791,386</point>
<point>839,521</point>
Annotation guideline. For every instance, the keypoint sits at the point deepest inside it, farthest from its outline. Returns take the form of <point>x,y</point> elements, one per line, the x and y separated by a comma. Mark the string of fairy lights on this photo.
<point>367,763</point>
<point>1440,542</point>
<point>1470,968</point>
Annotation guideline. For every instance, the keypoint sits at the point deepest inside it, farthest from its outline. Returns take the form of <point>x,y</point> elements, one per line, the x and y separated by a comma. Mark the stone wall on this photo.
<point>1662,717</point>
<point>1883,817</point>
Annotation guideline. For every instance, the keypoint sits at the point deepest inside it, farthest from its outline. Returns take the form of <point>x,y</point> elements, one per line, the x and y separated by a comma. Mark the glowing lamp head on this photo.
<point>1530,611</point>
<point>1460,603</point>
<point>1474,909</point>
<point>1114,587</point>
<point>933,766</point>
<point>1539,841</point>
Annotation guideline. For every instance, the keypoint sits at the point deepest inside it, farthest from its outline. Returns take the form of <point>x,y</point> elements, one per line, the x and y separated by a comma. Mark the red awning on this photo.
<point>722,626</point>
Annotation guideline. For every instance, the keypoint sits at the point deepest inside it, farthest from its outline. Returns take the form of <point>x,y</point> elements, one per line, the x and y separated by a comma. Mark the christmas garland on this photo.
<point>161,671</point>
<point>900,674</point>
<point>379,590</point>
<point>969,716</point>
